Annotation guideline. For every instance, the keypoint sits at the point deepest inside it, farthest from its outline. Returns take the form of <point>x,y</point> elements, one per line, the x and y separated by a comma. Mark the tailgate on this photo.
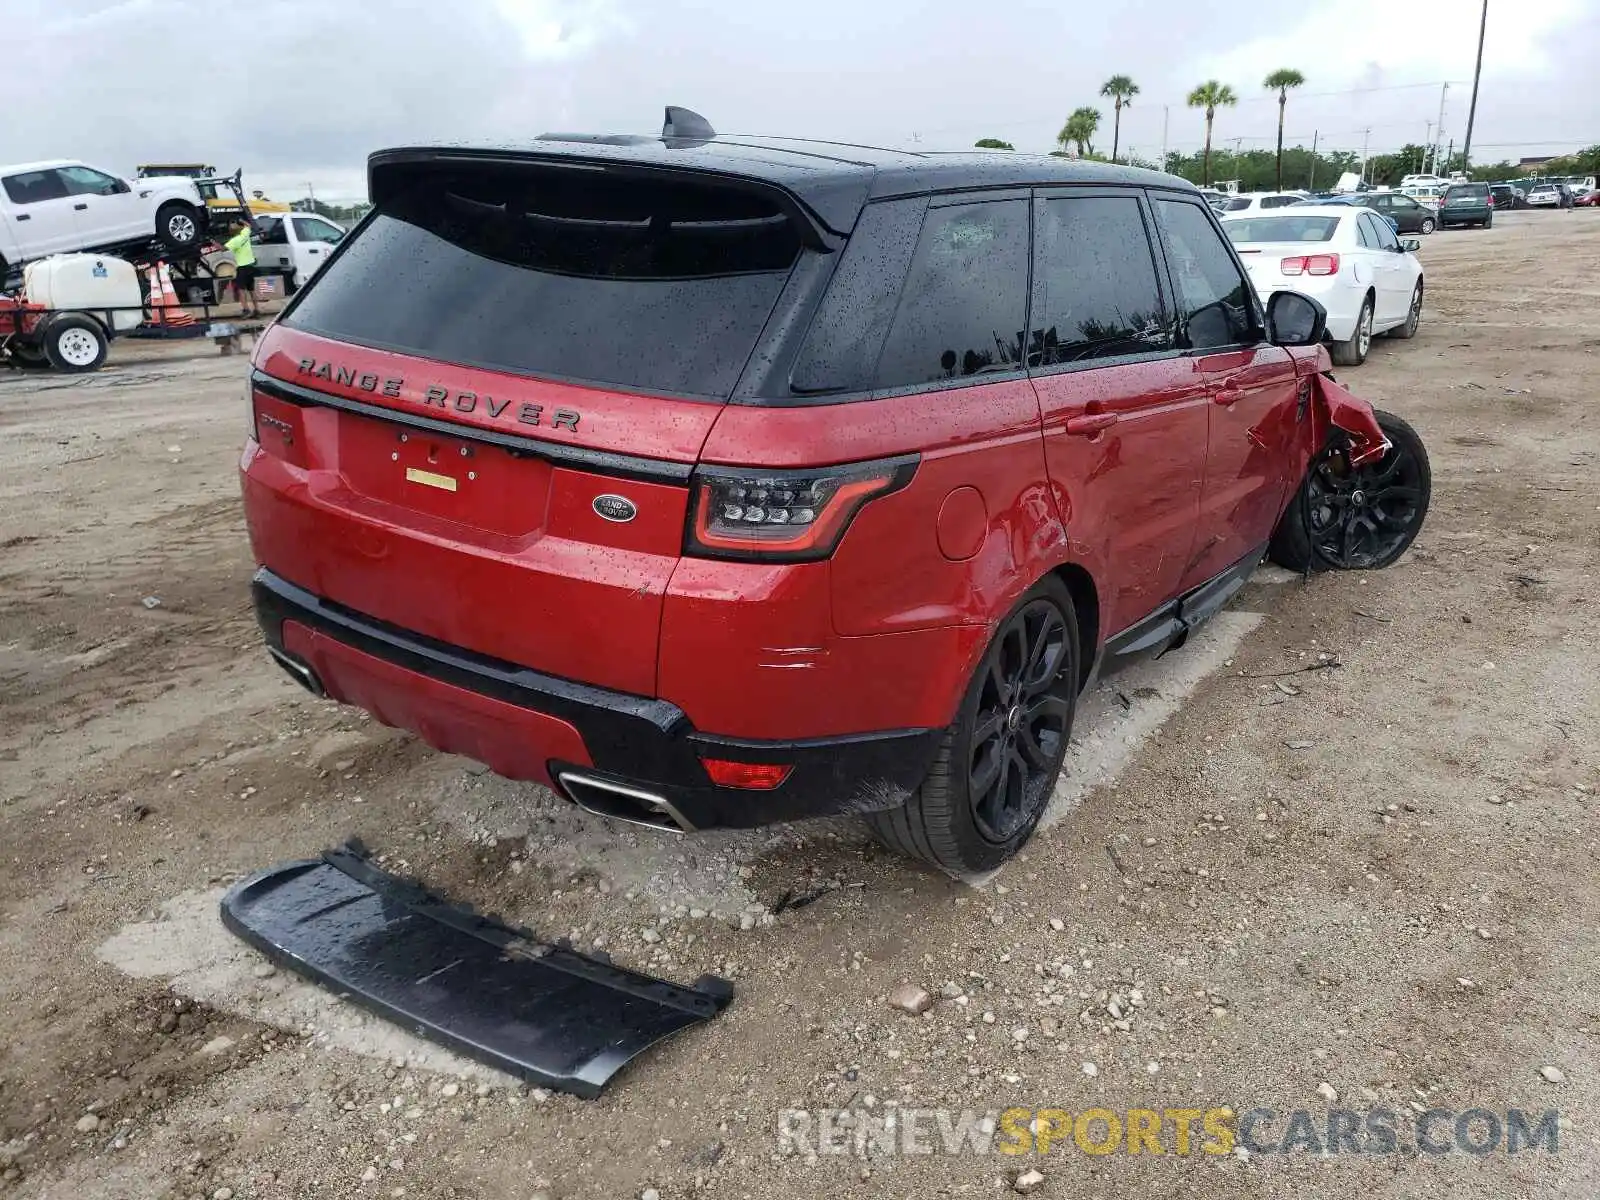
<point>479,420</point>
<point>465,526</point>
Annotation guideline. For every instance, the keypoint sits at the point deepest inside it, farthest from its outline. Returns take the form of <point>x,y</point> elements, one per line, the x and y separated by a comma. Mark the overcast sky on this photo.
<point>299,92</point>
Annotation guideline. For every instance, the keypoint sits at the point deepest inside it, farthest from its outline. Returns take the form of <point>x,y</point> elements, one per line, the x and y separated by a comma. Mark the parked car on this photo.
<point>720,481</point>
<point>1581,185</point>
<point>1506,197</point>
<point>1348,260</point>
<point>1426,193</point>
<point>294,245</point>
<point>62,206</point>
<point>1425,180</point>
<point>1217,201</point>
<point>1466,204</point>
<point>1256,201</point>
<point>1544,195</point>
<point>1589,199</point>
<point>1405,214</point>
<point>1353,201</point>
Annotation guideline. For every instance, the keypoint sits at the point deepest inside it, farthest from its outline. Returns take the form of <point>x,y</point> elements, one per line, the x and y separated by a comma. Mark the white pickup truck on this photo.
<point>294,245</point>
<point>62,206</point>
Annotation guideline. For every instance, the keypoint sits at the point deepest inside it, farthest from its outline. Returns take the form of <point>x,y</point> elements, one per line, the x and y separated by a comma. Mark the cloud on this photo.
<point>303,90</point>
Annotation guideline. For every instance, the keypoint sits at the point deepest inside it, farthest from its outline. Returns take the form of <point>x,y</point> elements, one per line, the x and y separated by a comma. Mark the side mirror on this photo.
<point>1295,320</point>
<point>1410,245</point>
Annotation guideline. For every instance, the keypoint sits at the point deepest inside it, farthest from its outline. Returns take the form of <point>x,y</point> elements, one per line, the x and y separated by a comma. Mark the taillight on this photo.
<point>1311,264</point>
<point>792,516</point>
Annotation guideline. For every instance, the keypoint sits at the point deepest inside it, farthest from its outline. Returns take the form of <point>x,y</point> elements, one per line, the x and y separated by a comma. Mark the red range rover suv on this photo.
<point>716,481</point>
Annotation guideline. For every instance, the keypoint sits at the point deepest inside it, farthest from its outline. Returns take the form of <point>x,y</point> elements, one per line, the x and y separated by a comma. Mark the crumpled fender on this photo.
<point>1341,409</point>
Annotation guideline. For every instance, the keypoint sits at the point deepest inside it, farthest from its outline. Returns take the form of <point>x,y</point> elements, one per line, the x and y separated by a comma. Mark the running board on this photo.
<point>535,1009</point>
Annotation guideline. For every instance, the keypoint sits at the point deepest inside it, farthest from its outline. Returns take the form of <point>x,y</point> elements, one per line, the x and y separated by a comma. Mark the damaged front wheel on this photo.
<point>1357,518</point>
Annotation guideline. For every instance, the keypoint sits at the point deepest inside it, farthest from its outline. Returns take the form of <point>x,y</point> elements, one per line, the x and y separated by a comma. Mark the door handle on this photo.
<point>1089,424</point>
<point>80,207</point>
<point>1227,395</point>
<point>24,216</point>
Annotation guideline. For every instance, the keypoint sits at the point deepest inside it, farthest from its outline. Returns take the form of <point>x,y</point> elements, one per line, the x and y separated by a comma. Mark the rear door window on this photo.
<point>964,305</point>
<point>1097,293</point>
<point>1215,303</point>
<point>660,286</point>
<point>34,187</point>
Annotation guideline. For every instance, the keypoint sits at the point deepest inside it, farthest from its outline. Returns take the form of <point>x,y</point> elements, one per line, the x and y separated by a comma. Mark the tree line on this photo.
<point>1282,168</point>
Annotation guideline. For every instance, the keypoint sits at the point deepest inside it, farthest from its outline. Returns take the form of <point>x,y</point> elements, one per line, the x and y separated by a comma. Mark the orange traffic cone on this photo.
<point>175,316</point>
<point>154,282</point>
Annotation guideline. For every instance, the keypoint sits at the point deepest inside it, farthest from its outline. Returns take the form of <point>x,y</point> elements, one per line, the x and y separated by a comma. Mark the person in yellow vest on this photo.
<point>244,276</point>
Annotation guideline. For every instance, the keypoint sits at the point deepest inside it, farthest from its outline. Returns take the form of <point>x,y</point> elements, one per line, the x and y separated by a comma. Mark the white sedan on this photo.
<point>1346,258</point>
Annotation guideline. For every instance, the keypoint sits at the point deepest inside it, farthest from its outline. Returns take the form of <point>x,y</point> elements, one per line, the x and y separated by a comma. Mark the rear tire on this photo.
<point>1306,538</point>
<point>75,343</point>
<point>1353,351</point>
<point>1428,225</point>
<point>1012,730</point>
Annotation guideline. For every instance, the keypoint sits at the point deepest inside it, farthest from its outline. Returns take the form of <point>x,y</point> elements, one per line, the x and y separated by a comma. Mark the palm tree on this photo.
<point>1281,81</point>
<point>1122,90</point>
<point>1211,96</point>
<point>1079,130</point>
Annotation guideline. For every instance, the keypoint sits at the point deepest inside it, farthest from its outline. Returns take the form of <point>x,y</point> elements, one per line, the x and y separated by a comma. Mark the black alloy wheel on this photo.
<point>1363,518</point>
<point>1023,720</point>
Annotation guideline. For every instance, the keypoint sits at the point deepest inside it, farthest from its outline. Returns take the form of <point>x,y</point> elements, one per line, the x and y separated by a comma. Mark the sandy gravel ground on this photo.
<point>1377,881</point>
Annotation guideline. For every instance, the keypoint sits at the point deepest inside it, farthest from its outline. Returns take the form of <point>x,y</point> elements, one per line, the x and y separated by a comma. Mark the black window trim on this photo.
<point>1041,196</point>
<point>1157,195</point>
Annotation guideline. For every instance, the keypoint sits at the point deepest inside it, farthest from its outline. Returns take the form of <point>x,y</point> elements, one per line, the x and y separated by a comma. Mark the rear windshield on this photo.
<point>1478,190</point>
<point>1281,229</point>
<point>657,286</point>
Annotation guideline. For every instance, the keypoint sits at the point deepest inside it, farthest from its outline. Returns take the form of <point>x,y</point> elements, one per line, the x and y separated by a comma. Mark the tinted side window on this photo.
<point>841,348</point>
<point>1214,302</point>
<point>31,187</point>
<point>964,305</point>
<point>1385,235</point>
<point>1098,295</point>
<point>1364,232</point>
<point>270,231</point>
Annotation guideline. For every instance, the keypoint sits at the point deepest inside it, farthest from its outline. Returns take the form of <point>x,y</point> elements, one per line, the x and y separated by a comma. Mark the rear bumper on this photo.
<point>527,725</point>
<point>1464,216</point>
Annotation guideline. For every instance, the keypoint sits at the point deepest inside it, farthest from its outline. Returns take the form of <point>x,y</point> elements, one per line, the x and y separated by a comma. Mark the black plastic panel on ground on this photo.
<point>539,1011</point>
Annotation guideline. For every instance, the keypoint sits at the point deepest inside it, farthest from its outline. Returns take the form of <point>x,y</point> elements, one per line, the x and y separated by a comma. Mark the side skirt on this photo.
<point>1170,625</point>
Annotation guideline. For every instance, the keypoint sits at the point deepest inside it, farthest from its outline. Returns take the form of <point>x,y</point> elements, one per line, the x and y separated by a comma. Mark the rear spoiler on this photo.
<point>388,172</point>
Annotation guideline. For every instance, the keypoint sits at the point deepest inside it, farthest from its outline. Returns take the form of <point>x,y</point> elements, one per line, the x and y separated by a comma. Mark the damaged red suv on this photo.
<point>716,481</point>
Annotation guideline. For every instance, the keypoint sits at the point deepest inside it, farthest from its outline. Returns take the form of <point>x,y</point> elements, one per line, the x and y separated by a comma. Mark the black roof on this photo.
<point>833,179</point>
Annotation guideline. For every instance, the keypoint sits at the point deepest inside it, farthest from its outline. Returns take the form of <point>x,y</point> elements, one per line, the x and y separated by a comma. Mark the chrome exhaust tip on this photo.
<point>298,671</point>
<point>620,802</point>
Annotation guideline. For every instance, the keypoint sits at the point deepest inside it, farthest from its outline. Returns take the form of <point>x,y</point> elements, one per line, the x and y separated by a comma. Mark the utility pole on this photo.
<point>1366,138</point>
<point>1477,69</point>
<point>1426,142</point>
<point>1166,113</point>
<point>1439,127</point>
<point>1450,156</point>
<point>1312,185</point>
